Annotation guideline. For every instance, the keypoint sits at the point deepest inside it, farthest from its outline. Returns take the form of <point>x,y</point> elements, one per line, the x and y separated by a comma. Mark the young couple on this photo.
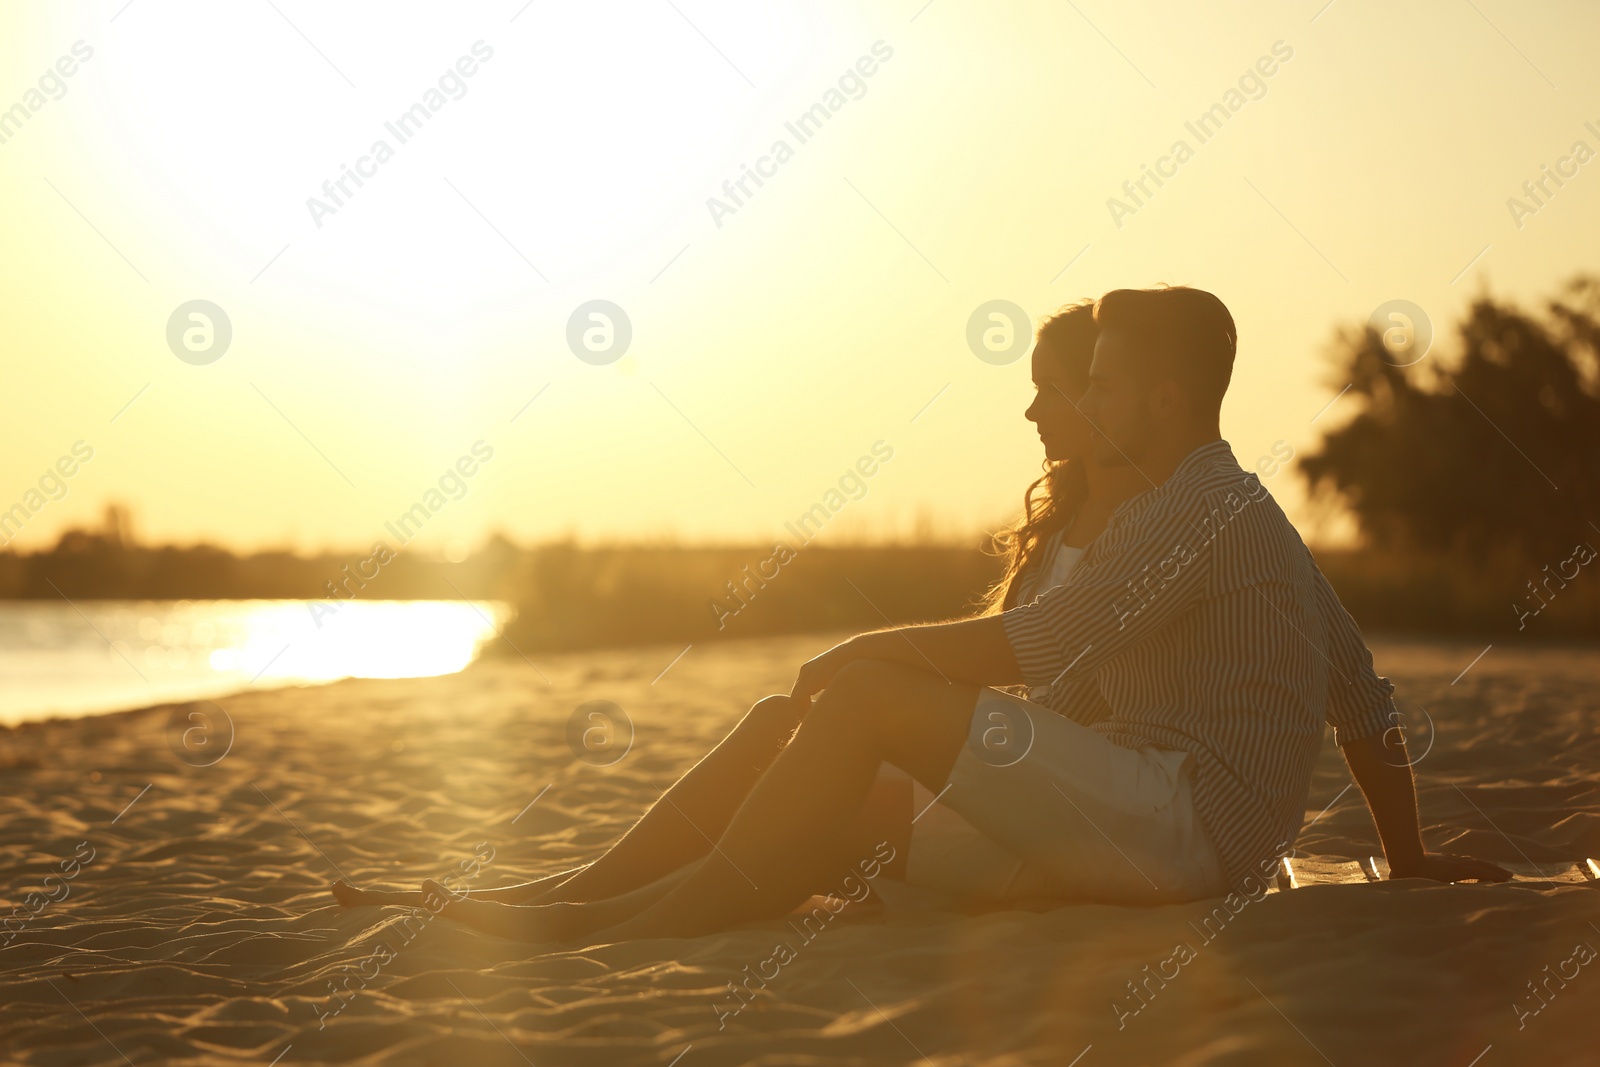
<point>1180,652</point>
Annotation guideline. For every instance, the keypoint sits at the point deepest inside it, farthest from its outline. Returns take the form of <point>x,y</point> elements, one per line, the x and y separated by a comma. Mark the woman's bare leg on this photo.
<point>886,814</point>
<point>535,922</point>
<point>678,829</point>
<point>879,833</point>
<point>693,813</point>
<point>790,832</point>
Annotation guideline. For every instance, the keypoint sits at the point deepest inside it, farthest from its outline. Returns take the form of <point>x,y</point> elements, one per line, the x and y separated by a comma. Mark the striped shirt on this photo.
<point>1199,621</point>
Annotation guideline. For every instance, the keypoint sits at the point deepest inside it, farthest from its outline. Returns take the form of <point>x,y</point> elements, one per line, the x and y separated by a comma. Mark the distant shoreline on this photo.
<point>615,596</point>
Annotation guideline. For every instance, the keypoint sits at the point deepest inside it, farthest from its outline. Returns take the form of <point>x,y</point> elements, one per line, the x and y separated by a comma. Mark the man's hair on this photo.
<point>1179,332</point>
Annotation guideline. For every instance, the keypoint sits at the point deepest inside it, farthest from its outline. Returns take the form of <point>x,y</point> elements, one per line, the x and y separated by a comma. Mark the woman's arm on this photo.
<point>967,650</point>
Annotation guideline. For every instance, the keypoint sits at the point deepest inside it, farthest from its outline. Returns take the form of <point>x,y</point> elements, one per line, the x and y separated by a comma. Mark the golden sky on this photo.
<point>565,153</point>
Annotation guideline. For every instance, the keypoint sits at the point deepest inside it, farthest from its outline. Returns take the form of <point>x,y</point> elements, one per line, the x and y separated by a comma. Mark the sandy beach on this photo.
<point>180,914</point>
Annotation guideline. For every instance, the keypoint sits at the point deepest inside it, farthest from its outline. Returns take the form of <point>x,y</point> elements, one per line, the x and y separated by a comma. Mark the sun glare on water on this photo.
<point>139,653</point>
<point>392,639</point>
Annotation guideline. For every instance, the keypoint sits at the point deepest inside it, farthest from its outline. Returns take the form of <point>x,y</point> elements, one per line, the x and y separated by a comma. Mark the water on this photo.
<point>92,656</point>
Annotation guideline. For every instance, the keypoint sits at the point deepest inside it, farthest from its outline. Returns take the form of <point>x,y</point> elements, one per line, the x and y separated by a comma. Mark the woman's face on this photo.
<point>1064,431</point>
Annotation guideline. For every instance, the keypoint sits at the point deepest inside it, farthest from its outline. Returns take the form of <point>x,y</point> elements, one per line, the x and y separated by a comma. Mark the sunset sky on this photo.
<point>376,339</point>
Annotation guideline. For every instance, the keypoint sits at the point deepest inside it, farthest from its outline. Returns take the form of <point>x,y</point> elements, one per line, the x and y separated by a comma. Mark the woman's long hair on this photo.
<point>1050,502</point>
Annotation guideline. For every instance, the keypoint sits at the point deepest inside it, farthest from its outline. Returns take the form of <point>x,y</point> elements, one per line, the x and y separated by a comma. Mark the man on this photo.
<point>1191,659</point>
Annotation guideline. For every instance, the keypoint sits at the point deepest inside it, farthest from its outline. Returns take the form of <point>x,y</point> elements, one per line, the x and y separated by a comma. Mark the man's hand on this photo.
<point>974,650</point>
<point>1449,867</point>
<point>1382,767</point>
<point>815,674</point>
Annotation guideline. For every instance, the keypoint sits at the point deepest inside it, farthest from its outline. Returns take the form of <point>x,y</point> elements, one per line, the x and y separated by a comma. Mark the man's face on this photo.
<point>1118,404</point>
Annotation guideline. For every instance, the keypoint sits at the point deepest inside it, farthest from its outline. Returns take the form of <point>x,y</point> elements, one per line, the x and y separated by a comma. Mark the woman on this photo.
<point>1062,511</point>
<point>1074,498</point>
<point>659,878</point>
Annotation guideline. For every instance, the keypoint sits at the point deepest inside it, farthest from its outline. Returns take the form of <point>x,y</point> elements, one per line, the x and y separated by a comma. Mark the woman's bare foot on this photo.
<point>557,923</point>
<point>348,895</point>
<point>514,921</point>
<point>351,897</point>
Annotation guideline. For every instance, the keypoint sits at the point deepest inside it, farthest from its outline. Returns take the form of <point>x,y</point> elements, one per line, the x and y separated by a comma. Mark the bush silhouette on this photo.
<point>1470,474</point>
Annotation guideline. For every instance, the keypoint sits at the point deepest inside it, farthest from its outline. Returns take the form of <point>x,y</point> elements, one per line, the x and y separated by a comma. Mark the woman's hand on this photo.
<point>815,674</point>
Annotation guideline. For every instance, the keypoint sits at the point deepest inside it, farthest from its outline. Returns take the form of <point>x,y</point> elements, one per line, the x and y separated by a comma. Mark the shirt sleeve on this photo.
<point>1154,570</point>
<point>1360,703</point>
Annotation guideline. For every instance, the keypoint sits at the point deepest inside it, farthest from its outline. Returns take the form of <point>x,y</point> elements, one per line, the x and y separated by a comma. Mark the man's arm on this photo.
<point>967,650</point>
<point>1151,575</point>
<point>1382,768</point>
<point>1369,733</point>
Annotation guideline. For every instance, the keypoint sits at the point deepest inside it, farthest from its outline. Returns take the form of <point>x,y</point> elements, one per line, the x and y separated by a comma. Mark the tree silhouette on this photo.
<point>1493,457</point>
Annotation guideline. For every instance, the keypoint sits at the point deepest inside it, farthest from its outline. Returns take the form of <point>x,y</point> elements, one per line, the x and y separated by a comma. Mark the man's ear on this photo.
<point>1167,402</point>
